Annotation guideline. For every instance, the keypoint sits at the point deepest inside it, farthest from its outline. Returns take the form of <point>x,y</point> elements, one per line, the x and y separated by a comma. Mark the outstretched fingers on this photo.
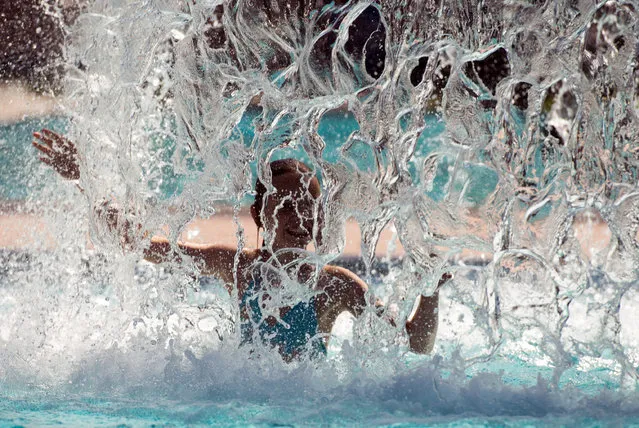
<point>44,139</point>
<point>58,152</point>
<point>46,161</point>
<point>45,149</point>
<point>54,141</point>
<point>54,137</point>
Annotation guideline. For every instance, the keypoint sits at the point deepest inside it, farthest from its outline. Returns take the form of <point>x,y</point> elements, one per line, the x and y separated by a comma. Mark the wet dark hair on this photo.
<point>282,167</point>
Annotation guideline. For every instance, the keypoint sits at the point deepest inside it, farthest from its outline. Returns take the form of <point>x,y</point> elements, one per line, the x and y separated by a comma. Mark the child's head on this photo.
<point>287,213</point>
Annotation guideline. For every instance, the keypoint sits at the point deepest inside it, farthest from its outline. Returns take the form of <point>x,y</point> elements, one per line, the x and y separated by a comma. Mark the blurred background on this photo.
<point>32,39</point>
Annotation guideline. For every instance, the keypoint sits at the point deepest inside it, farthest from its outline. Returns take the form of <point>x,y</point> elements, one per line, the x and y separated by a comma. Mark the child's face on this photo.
<point>288,215</point>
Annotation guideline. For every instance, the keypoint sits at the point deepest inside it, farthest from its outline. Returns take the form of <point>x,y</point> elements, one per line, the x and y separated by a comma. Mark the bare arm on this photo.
<point>215,260</point>
<point>61,155</point>
<point>422,326</point>
<point>346,292</point>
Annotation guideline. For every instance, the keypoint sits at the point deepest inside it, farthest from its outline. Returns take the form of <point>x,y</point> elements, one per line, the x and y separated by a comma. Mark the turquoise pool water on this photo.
<point>22,176</point>
<point>508,392</point>
<point>417,398</point>
<point>80,380</point>
<point>504,128</point>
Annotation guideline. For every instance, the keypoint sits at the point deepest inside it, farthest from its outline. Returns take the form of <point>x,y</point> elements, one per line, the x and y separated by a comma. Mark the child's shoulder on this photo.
<point>340,273</point>
<point>248,256</point>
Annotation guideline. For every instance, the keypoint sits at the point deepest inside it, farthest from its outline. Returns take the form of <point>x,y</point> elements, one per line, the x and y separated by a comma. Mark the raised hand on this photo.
<point>57,152</point>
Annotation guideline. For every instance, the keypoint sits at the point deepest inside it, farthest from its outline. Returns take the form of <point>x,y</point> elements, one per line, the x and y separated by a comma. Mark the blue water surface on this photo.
<point>421,397</point>
<point>499,393</point>
<point>21,175</point>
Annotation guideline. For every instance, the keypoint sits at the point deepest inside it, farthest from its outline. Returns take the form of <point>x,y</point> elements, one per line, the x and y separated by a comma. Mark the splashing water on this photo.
<point>498,139</point>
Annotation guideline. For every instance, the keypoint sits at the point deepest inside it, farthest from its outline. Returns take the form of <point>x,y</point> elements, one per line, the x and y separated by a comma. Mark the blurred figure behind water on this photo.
<point>32,42</point>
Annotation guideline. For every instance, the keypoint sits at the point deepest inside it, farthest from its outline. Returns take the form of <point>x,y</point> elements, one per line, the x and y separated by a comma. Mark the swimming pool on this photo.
<point>505,154</point>
<point>100,360</point>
